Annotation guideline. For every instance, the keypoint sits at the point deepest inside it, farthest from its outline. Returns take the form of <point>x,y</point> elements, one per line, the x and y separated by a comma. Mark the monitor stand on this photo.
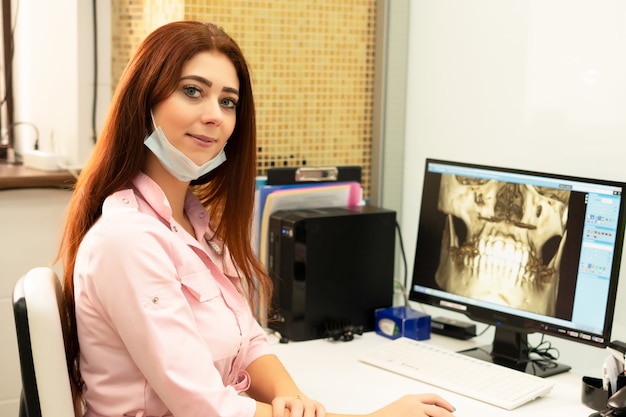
<point>510,349</point>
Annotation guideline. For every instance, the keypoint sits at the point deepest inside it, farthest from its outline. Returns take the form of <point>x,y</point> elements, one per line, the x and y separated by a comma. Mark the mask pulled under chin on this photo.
<point>175,161</point>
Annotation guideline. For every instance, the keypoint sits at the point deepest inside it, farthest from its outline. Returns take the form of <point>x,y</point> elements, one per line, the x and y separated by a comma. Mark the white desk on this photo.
<point>329,372</point>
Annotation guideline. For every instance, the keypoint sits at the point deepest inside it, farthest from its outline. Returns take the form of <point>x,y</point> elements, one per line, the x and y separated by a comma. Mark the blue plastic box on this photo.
<point>394,322</point>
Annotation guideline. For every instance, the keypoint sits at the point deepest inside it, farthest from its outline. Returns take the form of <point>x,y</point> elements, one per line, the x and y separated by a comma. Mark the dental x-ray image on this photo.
<point>502,242</point>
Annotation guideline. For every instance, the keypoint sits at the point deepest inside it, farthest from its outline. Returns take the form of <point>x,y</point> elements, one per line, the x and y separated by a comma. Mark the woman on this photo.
<point>160,276</point>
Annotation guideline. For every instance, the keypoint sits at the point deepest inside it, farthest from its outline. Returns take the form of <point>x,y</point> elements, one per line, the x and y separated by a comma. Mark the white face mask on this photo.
<point>175,161</point>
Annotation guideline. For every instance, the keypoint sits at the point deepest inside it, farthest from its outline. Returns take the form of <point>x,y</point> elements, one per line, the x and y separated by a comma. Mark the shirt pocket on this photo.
<point>201,286</point>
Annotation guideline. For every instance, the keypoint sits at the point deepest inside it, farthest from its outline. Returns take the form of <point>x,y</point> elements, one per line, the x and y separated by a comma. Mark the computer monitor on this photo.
<point>524,251</point>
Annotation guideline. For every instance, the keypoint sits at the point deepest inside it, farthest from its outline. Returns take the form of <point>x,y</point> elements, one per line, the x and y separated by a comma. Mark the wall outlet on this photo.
<point>43,161</point>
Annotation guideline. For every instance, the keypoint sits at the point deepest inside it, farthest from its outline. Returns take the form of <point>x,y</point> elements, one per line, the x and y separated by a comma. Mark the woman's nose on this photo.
<point>212,112</point>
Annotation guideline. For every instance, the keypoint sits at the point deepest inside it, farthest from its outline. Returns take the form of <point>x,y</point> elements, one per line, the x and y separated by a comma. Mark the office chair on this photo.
<point>46,388</point>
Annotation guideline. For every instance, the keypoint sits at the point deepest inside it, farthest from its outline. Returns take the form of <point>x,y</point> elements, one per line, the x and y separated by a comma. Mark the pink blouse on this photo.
<point>162,324</point>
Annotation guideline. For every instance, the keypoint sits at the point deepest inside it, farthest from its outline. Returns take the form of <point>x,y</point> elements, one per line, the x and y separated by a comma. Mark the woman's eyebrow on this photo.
<point>197,78</point>
<point>231,90</point>
<point>208,83</point>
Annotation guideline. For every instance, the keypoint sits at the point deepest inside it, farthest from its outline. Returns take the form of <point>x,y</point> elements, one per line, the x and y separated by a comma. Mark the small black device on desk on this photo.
<point>457,329</point>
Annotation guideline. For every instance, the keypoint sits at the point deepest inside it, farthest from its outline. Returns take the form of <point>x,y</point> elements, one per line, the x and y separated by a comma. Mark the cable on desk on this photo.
<point>543,350</point>
<point>403,285</point>
<point>482,332</point>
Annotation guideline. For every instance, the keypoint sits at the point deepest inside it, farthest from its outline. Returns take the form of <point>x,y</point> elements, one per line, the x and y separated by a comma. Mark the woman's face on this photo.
<point>199,117</point>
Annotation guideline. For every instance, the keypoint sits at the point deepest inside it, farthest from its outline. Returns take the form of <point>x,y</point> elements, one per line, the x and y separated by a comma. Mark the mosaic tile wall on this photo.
<point>312,63</point>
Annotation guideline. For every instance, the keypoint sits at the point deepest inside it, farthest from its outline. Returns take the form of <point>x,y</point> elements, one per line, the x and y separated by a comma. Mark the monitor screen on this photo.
<point>523,251</point>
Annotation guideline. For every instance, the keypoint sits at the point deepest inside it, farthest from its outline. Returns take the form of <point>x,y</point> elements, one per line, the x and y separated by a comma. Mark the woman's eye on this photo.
<point>229,103</point>
<point>192,91</point>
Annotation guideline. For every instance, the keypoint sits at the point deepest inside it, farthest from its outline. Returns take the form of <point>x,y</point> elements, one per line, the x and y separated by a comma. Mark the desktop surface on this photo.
<point>330,372</point>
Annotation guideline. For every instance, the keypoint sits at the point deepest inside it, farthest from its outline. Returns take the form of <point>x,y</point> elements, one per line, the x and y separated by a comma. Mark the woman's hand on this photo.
<point>298,406</point>
<point>419,405</point>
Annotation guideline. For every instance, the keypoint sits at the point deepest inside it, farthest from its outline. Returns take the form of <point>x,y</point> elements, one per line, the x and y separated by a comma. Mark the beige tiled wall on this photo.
<point>312,63</point>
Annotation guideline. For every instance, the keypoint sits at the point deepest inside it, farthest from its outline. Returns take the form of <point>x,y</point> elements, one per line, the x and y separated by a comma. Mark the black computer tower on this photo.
<point>331,269</point>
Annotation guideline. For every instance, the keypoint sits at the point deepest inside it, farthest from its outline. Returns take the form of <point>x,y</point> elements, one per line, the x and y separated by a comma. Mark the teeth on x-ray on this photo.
<point>510,241</point>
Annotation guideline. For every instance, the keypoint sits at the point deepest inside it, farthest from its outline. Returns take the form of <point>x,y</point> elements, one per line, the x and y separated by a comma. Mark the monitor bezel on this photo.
<point>517,323</point>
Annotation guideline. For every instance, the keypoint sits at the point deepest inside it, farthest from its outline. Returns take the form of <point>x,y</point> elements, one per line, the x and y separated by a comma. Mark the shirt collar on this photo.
<point>154,196</point>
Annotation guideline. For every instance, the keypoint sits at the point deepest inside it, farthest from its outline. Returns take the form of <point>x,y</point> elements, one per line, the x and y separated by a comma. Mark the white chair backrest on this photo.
<point>40,293</point>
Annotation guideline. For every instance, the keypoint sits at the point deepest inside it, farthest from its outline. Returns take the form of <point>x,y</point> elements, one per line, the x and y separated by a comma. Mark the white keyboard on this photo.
<point>484,381</point>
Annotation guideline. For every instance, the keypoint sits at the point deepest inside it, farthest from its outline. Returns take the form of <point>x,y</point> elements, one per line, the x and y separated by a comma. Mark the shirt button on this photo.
<point>155,300</point>
<point>175,229</point>
<point>125,200</point>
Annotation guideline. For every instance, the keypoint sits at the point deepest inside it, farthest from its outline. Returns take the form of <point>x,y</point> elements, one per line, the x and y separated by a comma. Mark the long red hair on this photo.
<point>227,192</point>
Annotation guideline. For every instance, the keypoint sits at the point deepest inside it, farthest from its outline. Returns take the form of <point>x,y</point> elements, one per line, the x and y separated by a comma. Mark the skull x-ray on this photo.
<point>502,242</point>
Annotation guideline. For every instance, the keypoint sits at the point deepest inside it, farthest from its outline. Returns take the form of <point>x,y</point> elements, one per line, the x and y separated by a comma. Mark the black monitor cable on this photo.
<point>482,332</point>
<point>544,349</point>
<point>404,284</point>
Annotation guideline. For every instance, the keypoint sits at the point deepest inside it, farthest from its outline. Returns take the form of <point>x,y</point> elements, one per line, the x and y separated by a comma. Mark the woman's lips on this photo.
<point>203,140</point>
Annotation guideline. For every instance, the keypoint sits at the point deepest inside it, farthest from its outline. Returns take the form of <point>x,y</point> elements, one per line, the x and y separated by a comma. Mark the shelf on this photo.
<point>17,176</point>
